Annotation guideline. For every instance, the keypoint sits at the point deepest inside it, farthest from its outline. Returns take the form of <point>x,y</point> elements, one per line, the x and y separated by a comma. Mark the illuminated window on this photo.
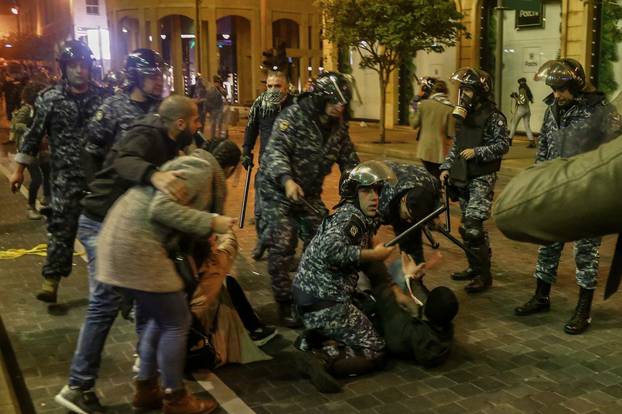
<point>92,7</point>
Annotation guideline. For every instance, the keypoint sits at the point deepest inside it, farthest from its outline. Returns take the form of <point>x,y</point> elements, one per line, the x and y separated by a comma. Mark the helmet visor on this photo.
<point>556,74</point>
<point>373,172</point>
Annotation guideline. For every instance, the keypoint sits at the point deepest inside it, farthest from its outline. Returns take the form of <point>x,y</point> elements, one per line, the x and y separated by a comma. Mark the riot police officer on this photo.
<point>61,114</point>
<point>471,166</point>
<point>261,119</point>
<point>307,139</point>
<point>141,95</point>
<point>325,284</point>
<point>577,119</point>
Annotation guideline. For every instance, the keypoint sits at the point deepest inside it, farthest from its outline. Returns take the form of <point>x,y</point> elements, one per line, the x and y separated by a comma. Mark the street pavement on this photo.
<point>500,363</point>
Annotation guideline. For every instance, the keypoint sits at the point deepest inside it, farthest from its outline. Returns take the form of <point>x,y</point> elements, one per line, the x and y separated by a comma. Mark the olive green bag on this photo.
<point>565,199</point>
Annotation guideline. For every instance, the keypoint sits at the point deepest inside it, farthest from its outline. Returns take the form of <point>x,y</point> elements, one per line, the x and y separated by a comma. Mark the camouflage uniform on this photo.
<point>326,282</point>
<point>260,122</point>
<point>484,130</point>
<point>62,116</point>
<point>116,114</point>
<point>303,149</point>
<point>589,122</point>
<point>408,177</point>
<point>476,197</point>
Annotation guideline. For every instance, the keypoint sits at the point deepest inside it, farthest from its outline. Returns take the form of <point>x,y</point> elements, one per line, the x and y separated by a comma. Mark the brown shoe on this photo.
<point>49,289</point>
<point>180,402</point>
<point>148,395</point>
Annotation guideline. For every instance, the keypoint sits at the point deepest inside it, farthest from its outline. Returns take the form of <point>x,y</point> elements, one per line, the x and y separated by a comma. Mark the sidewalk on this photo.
<point>401,144</point>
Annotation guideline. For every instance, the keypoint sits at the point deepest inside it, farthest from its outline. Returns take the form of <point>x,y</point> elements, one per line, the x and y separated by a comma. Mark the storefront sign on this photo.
<point>523,4</point>
<point>528,18</point>
<point>531,59</point>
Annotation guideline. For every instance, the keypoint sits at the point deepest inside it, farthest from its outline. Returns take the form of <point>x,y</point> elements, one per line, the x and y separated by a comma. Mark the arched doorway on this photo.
<point>233,39</point>
<point>286,34</point>
<point>128,35</point>
<point>177,37</point>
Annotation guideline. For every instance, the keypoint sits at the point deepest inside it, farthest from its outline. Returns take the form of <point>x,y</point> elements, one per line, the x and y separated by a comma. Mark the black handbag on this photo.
<point>186,269</point>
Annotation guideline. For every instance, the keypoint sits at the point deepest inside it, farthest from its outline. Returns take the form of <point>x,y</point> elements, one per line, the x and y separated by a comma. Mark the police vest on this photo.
<point>470,134</point>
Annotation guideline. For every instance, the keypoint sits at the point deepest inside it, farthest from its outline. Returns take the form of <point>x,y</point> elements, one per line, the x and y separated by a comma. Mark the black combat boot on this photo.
<point>539,302</point>
<point>315,367</point>
<point>258,251</point>
<point>466,274</point>
<point>482,280</point>
<point>287,316</point>
<point>581,319</point>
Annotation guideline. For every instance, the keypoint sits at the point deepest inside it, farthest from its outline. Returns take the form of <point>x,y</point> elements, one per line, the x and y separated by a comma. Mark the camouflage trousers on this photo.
<point>350,327</point>
<point>62,224</point>
<point>586,258</point>
<point>260,224</point>
<point>286,221</point>
<point>476,198</point>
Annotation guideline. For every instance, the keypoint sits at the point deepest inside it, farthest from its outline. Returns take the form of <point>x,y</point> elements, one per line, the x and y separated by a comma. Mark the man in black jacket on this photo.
<point>134,160</point>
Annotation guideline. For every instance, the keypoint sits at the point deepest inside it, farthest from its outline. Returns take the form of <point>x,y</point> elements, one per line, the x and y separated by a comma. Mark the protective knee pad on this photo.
<point>474,233</point>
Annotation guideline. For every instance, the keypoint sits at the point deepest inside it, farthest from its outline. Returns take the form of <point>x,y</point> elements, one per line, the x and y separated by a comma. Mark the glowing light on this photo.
<point>14,10</point>
<point>150,38</point>
<point>163,36</point>
<point>8,45</point>
<point>124,30</point>
<point>187,36</point>
<point>226,36</point>
<point>309,68</point>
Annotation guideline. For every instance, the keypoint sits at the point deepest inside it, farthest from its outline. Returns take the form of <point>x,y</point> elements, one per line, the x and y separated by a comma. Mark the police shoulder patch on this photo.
<point>283,125</point>
<point>355,229</point>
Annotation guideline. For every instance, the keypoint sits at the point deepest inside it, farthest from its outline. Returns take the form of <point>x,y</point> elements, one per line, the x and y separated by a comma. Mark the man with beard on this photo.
<point>61,114</point>
<point>261,118</point>
<point>471,166</point>
<point>134,160</point>
<point>307,139</point>
<point>576,120</point>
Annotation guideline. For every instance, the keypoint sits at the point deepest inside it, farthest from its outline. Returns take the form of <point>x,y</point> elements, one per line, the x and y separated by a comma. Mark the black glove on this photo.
<point>247,160</point>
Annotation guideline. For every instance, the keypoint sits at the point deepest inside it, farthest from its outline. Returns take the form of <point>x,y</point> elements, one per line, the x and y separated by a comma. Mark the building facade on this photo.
<point>229,39</point>
<point>565,28</point>
<point>60,20</point>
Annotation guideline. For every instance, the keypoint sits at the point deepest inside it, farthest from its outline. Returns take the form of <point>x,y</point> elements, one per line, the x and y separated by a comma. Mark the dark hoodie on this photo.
<point>131,161</point>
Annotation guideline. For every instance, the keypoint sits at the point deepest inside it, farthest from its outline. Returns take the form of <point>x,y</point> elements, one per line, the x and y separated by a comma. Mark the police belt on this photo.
<point>316,306</point>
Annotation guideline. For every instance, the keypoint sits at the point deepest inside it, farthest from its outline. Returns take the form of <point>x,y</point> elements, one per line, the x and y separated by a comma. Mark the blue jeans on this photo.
<point>104,304</point>
<point>163,341</point>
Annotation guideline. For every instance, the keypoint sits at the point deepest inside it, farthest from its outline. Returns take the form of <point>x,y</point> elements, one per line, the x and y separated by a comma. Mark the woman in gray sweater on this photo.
<point>133,254</point>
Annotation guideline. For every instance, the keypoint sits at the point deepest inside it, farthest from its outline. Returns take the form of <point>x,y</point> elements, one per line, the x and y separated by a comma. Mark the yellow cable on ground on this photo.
<point>38,250</point>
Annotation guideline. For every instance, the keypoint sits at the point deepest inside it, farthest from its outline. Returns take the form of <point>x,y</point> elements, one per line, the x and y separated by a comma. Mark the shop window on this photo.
<point>92,7</point>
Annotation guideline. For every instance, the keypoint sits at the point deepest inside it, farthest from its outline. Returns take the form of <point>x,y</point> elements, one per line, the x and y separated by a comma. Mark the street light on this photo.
<point>15,11</point>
